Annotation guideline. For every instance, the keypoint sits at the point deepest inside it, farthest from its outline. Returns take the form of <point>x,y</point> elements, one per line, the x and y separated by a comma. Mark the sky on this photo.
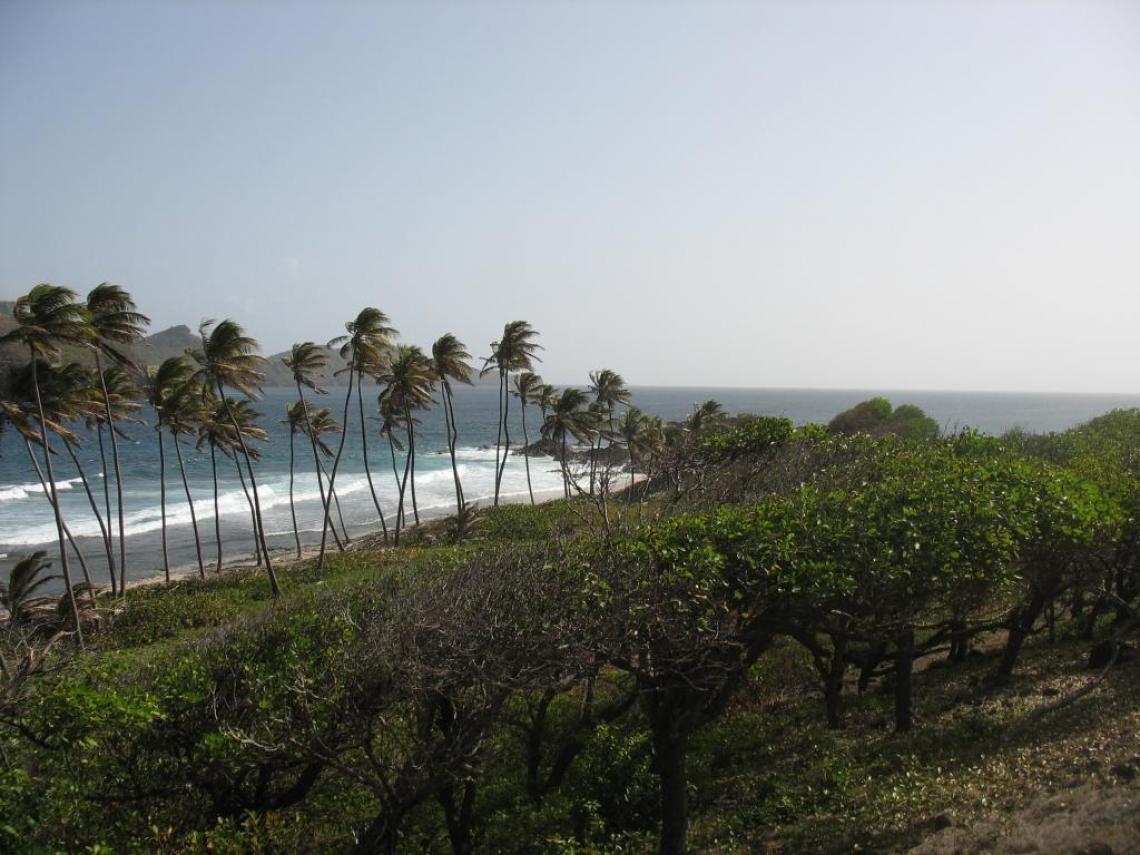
<point>804,194</point>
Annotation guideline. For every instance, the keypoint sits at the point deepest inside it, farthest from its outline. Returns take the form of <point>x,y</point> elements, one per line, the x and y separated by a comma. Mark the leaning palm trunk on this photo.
<point>274,587</point>
<point>452,438</point>
<point>107,503</point>
<point>526,453</point>
<point>292,504</point>
<point>317,461</point>
<point>217,510</point>
<point>565,468</point>
<point>364,451</point>
<point>340,514</point>
<point>412,460</point>
<point>190,504</point>
<point>162,503</point>
<point>252,513</point>
<point>92,502</point>
<point>66,530</point>
<point>335,467</point>
<point>400,519</point>
<point>506,437</point>
<point>50,486</point>
<point>118,475</point>
<point>499,435</point>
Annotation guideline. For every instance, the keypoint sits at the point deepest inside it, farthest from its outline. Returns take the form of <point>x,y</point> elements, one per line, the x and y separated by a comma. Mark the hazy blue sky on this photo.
<point>894,195</point>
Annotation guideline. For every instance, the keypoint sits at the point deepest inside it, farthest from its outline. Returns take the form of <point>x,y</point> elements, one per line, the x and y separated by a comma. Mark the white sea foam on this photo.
<point>12,492</point>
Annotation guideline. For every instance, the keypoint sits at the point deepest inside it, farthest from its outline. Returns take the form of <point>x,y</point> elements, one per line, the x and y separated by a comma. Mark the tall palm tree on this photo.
<point>182,412</point>
<point>639,434</point>
<point>46,317</point>
<point>321,422</point>
<point>297,418</point>
<point>306,361</point>
<point>515,351</point>
<point>450,356</point>
<point>162,381</point>
<point>229,358</point>
<point>705,415</point>
<point>17,595</point>
<point>568,418</point>
<point>21,419</point>
<point>408,380</point>
<point>116,324</point>
<point>367,338</point>
<point>527,386</point>
<point>609,390</point>
<point>117,393</point>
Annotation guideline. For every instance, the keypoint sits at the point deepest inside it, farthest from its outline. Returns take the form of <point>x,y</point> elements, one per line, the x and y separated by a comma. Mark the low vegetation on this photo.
<point>781,639</point>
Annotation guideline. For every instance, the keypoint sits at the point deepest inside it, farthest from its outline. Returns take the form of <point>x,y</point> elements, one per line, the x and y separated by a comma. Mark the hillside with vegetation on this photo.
<point>731,636</point>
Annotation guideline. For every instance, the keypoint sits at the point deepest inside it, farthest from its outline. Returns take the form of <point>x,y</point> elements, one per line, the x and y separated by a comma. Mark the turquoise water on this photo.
<point>26,522</point>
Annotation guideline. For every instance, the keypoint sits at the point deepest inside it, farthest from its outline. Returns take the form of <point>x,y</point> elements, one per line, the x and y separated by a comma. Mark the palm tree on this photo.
<point>705,415</point>
<point>115,323</point>
<point>24,579</point>
<point>639,433</point>
<point>297,418</point>
<point>229,358</point>
<point>46,317</point>
<point>609,390</point>
<point>306,361</point>
<point>527,386</point>
<point>368,336</point>
<point>515,351</point>
<point>183,411</point>
<point>568,418</point>
<point>161,383</point>
<point>20,418</point>
<point>321,422</point>
<point>450,356</point>
<point>408,381</point>
<point>117,393</point>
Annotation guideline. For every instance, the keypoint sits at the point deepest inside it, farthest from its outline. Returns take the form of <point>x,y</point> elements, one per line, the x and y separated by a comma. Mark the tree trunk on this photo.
<point>1021,624</point>
<point>499,435</point>
<point>364,450</point>
<point>336,465</point>
<point>833,684</point>
<point>91,501</point>
<point>669,760</point>
<point>382,836</point>
<point>459,815</point>
<point>107,505</point>
<point>118,475</point>
<point>66,530</point>
<point>292,505</point>
<point>452,436</point>
<point>252,514</point>
<point>273,586</point>
<point>400,519</point>
<point>317,467</point>
<point>50,486</point>
<point>340,514</point>
<point>190,503</point>
<point>526,451</point>
<point>217,509</point>
<point>904,669</point>
<point>565,468</point>
<point>162,504</point>
<point>412,460</point>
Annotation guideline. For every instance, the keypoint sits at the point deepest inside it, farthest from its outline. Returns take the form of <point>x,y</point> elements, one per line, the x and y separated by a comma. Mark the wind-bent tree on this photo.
<point>229,358</point>
<point>515,351</point>
<point>407,380</point>
<point>162,382</point>
<point>527,386</point>
<point>183,412</point>
<point>568,418</point>
<point>297,418</point>
<point>637,435</point>
<point>115,324</point>
<point>367,338</point>
<point>46,317</point>
<point>115,391</point>
<point>306,361</point>
<point>450,356</point>
<point>609,390</point>
<point>17,595</point>
<point>321,422</point>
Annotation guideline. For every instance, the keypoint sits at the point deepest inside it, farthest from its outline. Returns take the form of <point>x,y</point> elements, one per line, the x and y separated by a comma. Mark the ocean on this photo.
<point>27,524</point>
